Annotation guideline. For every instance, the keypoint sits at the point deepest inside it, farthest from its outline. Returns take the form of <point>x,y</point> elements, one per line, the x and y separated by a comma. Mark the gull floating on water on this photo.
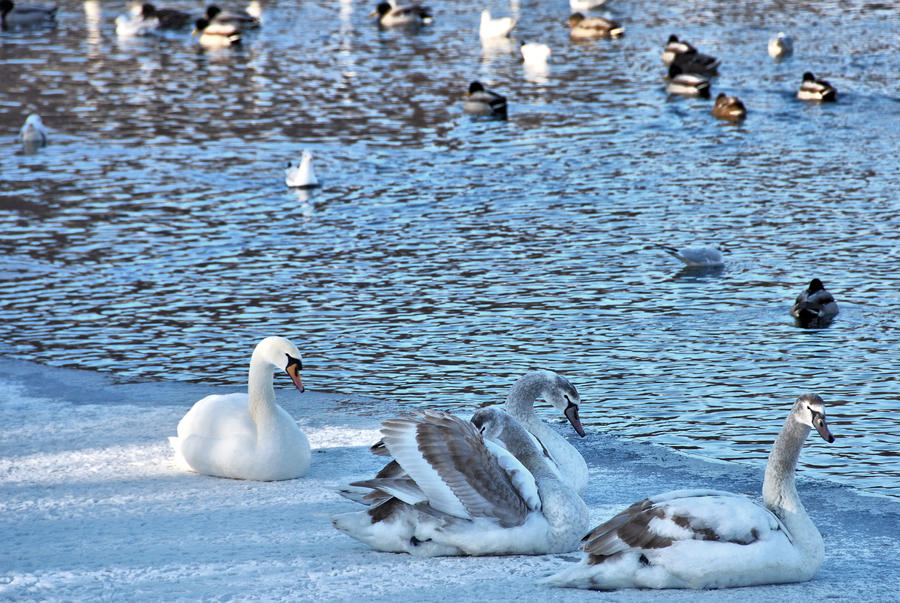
<point>494,28</point>
<point>33,132</point>
<point>781,45</point>
<point>697,256</point>
<point>302,175</point>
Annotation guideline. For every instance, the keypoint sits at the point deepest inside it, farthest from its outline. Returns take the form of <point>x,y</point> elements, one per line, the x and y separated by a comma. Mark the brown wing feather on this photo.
<point>456,451</point>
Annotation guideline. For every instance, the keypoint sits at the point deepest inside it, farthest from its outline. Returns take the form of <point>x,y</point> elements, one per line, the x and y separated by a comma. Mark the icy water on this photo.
<point>444,256</point>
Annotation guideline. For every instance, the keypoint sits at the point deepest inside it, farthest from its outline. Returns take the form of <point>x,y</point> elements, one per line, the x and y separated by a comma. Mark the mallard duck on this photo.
<point>815,89</point>
<point>22,16</point>
<point>593,27</point>
<point>480,101</point>
<point>710,538</point>
<point>241,19</point>
<point>479,487</point>
<point>688,57</point>
<point>674,47</point>
<point>729,107</point>
<point>33,132</point>
<point>697,62</point>
<point>302,175</point>
<point>685,83</point>
<point>781,45</point>
<point>247,435</point>
<point>401,16</point>
<point>216,35</point>
<point>168,18</point>
<point>815,307</point>
<point>494,28</point>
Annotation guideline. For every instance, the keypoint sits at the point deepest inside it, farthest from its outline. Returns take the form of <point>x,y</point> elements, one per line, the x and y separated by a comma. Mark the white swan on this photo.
<point>466,488</point>
<point>814,307</point>
<point>301,175</point>
<point>697,256</point>
<point>247,436</point>
<point>709,538</point>
<point>494,28</point>
<point>562,395</point>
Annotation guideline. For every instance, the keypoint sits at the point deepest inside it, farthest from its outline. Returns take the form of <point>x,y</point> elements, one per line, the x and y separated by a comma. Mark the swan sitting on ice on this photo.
<point>562,395</point>
<point>247,436</point>
<point>709,538</point>
<point>465,488</point>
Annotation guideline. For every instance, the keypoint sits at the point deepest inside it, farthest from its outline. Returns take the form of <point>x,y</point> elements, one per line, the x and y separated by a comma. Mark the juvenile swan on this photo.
<point>709,538</point>
<point>247,436</point>
<point>562,395</point>
<point>465,488</point>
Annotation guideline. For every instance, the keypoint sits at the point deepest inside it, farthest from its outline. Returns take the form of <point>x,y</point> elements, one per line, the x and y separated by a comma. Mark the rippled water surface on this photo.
<point>444,256</point>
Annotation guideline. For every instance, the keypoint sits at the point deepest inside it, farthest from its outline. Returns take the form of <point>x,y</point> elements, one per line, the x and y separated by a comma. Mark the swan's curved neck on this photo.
<point>260,389</point>
<point>520,401</point>
<point>780,490</point>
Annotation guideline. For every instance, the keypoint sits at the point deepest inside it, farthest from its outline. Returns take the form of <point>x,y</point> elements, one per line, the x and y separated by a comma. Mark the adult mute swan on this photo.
<point>466,488</point>
<point>562,395</point>
<point>247,436</point>
<point>709,538</point>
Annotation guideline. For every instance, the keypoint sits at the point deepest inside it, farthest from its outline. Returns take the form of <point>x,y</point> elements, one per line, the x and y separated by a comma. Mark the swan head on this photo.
<point>498,425</point>
<point>562,395</point>
<point>283,354</point>
<point>809,409</point>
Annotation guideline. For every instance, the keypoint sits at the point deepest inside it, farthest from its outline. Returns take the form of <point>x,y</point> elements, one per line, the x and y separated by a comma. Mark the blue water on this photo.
<point>444,256</point>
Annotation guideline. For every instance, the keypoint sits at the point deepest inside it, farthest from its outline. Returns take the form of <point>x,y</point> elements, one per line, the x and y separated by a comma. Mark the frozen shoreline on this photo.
<point>93,507</point>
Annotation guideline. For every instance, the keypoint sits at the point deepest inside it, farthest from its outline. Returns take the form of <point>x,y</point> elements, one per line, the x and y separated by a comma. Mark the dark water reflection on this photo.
<point>444,256</point>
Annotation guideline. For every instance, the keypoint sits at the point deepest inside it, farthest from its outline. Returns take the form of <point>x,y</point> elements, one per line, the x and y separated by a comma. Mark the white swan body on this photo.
<point>465,488</point>
<point>780,46</point>
<point>814,307</point>
<point>709,538</point>
<point>494,28</point>
<point>697,256</point>
<point>247,436</point>
<point>535,54</point>
<point>562,395</point>
<point>33,131</point>
<point>301,175</point>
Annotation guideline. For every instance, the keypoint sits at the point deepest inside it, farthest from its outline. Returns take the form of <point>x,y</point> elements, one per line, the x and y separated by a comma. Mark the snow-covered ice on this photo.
<point>93,507</point>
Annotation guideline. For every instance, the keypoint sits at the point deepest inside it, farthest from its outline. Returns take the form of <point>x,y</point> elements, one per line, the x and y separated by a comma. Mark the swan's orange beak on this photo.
<point>293,371</point>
